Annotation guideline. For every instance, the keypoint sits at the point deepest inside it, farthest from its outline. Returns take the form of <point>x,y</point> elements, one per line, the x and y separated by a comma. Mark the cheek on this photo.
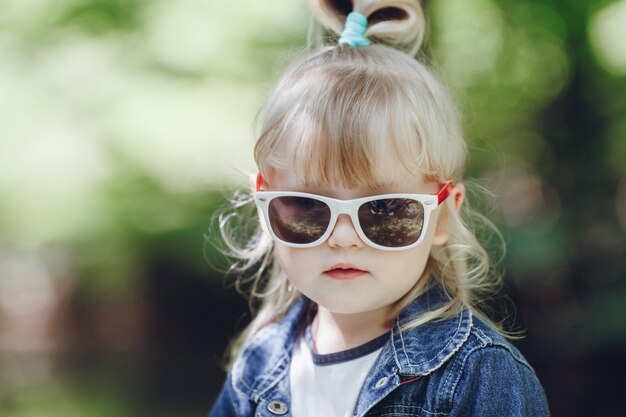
<point>283,256</point>
<point>411,263</point>
<point>297,262</point>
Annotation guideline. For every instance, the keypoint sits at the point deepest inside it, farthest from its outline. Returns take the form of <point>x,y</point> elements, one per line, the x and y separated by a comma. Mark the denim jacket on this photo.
<point>454,367</point>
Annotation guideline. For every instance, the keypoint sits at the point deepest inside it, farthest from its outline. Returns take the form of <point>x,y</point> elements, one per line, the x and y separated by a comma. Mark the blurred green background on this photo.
<point>124,125</point>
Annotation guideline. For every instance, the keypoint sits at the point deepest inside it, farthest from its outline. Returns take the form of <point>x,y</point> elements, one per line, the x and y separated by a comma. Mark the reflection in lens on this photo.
<point>392,222</point>
<point>298,219</point>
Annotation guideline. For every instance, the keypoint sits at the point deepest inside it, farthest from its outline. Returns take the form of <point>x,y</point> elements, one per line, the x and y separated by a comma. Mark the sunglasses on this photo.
<point>389,221</point>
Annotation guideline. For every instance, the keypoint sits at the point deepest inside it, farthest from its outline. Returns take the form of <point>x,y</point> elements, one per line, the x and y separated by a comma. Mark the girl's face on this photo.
<point>320,272</point>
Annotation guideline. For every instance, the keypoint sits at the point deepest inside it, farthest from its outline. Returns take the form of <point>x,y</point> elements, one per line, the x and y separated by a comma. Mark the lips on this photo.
<point>344,271</point>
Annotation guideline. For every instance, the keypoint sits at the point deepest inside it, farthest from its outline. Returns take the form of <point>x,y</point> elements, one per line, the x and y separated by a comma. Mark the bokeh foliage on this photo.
<point>126,124</point>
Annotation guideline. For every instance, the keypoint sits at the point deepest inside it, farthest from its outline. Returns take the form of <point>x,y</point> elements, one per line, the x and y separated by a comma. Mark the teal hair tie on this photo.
<point>354,31</point>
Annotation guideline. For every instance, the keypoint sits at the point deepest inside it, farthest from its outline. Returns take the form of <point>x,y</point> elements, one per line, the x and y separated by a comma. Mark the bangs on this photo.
<point>352,152</point>
<point>360,118</point>
<point>353,131</point>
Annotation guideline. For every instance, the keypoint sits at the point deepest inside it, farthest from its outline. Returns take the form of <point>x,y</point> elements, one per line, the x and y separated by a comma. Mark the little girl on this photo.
<point>366,276</point>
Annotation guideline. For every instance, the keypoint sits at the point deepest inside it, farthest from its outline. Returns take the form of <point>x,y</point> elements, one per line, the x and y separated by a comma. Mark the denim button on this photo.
<point>381,382</point>
<point>277,407</point>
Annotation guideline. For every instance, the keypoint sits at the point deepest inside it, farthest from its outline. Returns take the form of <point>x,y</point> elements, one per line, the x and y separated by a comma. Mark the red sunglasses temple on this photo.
<point>259,181</point>
<point>443,193</point>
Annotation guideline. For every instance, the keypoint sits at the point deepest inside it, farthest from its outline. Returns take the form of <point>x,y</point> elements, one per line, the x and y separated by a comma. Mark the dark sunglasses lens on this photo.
<point>298,219</point>
<point>393,222</point>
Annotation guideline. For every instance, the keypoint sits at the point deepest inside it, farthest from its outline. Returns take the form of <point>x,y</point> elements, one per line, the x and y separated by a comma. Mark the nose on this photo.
<point>344,234</point>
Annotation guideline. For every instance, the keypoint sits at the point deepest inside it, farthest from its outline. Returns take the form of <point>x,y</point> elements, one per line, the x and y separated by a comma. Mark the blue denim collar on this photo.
<point>418,351</point>
<point>421,350</point>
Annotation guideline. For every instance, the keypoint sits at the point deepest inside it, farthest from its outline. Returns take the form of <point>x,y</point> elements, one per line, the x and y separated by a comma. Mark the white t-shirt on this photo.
<point>329,385</point>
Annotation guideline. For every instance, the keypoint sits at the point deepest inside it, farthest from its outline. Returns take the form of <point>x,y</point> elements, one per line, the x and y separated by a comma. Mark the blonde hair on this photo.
<point>339,115</point>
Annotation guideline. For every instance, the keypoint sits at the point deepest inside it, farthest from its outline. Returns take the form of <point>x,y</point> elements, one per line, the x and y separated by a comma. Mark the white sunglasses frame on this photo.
<point>430,202</point>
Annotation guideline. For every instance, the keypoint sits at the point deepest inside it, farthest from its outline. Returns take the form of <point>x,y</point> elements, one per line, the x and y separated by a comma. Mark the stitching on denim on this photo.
<point>409,407</point>
<point>446,382</point>
<point>419,410</point>
<point>238,373</point>
<point>261,337</point>
<point>495,343</point>
<point>276,378</point>
<point>452,383</point>
<point>243,359</point>
<point>404,347</point>
<point>394,350</point>
<point>453,340</point>
<point>458,327</point>
<point>482,336</point>
<point>491,347</point>
<point>514,356</point>
<point>459,344</point>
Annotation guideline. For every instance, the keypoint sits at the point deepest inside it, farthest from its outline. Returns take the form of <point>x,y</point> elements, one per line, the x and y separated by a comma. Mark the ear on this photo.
<point>454,201</point>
